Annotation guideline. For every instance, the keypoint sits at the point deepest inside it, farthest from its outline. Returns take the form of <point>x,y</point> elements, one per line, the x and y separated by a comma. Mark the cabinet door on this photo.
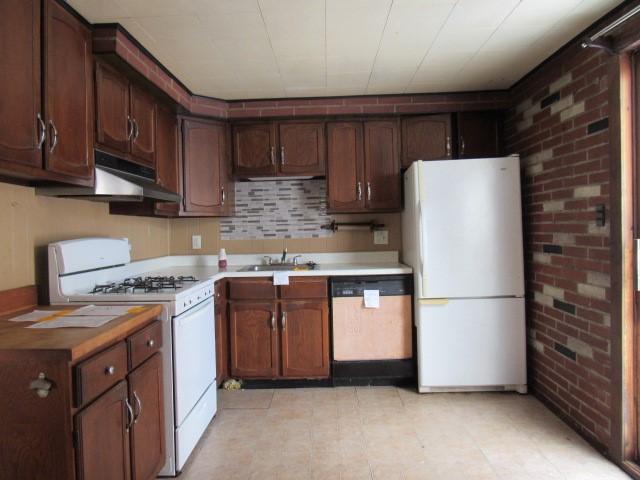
<point>222,342</point>
<point>113,129</point>
<point>203,145</point>
<point>382,165</point>
<point>227,183</point>
<point>20,130</point>
<point>302,149</point>
<point>479,134</point>
<point>167,160</point>
<point>426,138</point>
<point>68,93</point>
<point>305,338</point>
<point>345,167</point>
<point>143,114</point>
<point>254,149</point>
<point>102,452</point>
<point>253,339</point>
<point>147,432</point>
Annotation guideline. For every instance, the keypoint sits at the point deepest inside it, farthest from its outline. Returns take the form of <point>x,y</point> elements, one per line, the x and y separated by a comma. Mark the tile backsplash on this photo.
<point>278,209</point>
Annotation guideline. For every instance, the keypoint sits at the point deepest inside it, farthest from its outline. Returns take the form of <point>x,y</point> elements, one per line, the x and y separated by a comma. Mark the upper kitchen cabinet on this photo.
<point>302,148</point>
<point>284,149</point>
<point>345,167</point>
<point>479,134</point>
<point>382,165</point>
<point>125,117</point>
<point>426,137</point>
<point>254,149</point>
<point>167,157</point>
<point>364,166</point>
<point>206,177</point>
<point>68,93</point>
<point>46,109</point>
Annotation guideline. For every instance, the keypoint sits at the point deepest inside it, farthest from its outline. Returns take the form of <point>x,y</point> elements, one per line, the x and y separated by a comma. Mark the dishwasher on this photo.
<point>372,344</point>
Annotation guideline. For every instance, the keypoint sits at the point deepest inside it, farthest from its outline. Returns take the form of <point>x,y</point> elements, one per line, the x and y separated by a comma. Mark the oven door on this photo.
<point>194,357</point>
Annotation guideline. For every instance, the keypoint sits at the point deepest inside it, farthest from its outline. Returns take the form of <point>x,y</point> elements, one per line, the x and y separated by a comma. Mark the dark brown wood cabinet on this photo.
<point>68,95</point>
<point>22,127</point>
<point>204,159</point>
<point>382,165</point>
<point>46,113</point>
<point>284,149</point>
<point>364,166</point>
<point>222,331</point>
<point>479,134</point>
<point>167,157</point>
<point>143,116</point>
<point>147,432</point>
<point>302,148</point>
<point>113,123</point>
<point>305,338</point>
<point>125,116</point>
<point>283,335</point>
<point>253,336</point>
<point>103,450</point>
<point>426,137</point>
<point>345,168</point>
<point>254,149</point>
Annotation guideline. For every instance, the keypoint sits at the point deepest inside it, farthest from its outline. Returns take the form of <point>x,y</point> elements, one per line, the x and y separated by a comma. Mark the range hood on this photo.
<point>116,180</point>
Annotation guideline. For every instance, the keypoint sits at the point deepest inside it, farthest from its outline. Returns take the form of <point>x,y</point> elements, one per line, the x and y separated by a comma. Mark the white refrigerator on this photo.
<point>462,234</point>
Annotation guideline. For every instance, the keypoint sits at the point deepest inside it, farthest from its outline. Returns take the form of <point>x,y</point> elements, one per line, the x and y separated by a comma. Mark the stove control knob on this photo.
<point>184,304</point>
<point>190,302</point>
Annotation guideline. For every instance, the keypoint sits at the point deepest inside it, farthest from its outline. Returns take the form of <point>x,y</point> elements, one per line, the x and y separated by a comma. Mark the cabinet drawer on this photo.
<point>252,289</point>
<point>304,287</point>
<point>100,372</point>
<point>144,343</point>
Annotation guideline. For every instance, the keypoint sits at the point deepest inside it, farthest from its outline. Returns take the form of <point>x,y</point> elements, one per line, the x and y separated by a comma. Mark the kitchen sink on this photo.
<point>279,267</point>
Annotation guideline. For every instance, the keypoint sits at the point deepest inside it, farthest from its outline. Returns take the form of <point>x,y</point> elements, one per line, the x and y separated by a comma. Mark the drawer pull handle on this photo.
<point>129,414</point>
<point>138,407</point>
<point>41,385</point>
<point>110,370</point>
<point>150,343</point>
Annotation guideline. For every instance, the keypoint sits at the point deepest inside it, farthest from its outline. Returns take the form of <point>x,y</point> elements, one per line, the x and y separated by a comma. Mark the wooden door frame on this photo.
<point>624,434</point>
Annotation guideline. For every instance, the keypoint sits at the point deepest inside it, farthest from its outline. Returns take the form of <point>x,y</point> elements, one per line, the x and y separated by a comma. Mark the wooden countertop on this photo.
<point>72,342</point>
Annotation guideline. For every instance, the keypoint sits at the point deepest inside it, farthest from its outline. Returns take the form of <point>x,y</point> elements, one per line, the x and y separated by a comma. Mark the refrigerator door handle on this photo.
<point>421,251</point>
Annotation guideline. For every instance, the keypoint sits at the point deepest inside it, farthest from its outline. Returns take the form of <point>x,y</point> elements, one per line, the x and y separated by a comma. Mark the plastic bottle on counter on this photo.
<point>222,258</point>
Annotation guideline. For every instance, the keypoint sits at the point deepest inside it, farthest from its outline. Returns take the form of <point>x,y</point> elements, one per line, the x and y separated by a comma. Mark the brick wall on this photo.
<point>559,125</point>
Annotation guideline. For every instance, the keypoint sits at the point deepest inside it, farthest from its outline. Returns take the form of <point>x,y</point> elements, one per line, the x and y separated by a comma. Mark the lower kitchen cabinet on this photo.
<point>284,334</point>
<point>102,428</point>
<point>147,432</point>
<point>253,339</point>
<point>222,331</point>
<point>305,338</point>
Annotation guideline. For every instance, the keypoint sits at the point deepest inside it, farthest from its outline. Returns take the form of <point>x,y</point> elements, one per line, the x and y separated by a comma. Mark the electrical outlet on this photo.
<point>196,242</point>
<point>381,237</point>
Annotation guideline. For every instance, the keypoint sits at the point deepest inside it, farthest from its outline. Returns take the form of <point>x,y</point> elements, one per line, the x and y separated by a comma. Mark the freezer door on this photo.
<point>471,343</point>
<point>471,228</point>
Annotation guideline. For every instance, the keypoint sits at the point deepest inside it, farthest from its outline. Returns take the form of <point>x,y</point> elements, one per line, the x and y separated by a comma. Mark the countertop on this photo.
<point>74,343</point>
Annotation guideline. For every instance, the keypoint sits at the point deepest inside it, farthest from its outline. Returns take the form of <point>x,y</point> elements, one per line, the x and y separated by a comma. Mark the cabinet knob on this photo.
<point>150,343</point>
<point>110,370</point>
<point>41,385</point>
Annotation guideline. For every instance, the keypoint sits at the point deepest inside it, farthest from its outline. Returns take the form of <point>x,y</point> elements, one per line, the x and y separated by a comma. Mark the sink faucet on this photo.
<point>284,255</point>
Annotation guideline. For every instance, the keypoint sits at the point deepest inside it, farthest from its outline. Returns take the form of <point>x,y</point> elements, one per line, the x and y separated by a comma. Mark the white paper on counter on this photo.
<point>100,310</point>
<point>33,316</point>
<point>281,278</point>
<point>372,298</point>
<point>79,321</point>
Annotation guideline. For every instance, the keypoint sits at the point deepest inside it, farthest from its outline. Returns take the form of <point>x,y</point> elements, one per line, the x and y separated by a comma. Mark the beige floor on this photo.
<point>389,433</point>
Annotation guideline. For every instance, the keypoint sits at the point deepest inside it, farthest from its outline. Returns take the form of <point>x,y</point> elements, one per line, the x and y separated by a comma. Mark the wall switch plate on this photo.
<point>381,237</point>
<point>196,242</point>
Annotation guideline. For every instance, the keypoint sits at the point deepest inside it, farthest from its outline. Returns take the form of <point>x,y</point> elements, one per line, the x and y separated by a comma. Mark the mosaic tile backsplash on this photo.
<point>278,209</point>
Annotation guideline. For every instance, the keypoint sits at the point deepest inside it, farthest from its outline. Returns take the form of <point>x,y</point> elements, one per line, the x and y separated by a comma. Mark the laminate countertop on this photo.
<point>74,343</point>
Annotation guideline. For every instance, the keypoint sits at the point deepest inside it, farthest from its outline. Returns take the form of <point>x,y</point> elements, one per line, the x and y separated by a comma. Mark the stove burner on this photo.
<point>146,284</point>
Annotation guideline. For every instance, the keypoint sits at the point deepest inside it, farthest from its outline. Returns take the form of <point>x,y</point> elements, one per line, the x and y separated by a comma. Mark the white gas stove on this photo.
<point>99,271</point>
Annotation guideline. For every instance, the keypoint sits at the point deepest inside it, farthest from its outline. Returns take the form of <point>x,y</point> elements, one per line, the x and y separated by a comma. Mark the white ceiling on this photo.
<point>234,49</point>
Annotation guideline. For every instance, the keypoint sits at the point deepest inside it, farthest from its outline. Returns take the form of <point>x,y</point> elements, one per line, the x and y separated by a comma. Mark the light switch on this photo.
<point>196,242</point>
<point>381,237</point>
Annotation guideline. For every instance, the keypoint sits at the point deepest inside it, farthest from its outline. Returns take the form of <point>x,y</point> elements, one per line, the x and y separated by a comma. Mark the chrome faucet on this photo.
<point>296,259</point>
<point>284,255</point>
